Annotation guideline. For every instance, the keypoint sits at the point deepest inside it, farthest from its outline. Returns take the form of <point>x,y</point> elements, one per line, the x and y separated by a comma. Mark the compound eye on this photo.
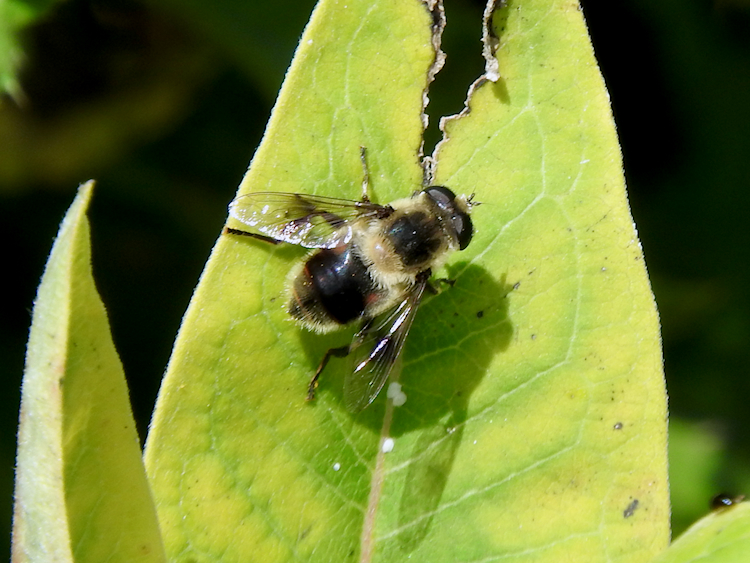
<point>445,200</point>
<point>441,195</point>
<point>464,229</point>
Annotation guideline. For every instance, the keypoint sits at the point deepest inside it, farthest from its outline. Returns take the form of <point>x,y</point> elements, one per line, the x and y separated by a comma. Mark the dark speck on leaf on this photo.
<point>628,512</point>
<point>618,426</point>
<point>480,314</point>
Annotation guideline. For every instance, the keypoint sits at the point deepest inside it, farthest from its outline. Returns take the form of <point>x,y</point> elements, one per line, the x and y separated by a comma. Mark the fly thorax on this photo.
<point>385,265</point>
<point>416,238</point>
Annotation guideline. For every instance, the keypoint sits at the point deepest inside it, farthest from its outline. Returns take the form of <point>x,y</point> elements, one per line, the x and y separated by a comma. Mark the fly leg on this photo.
<point>270,240</point>
<point>430,285</point>
<point>365,176</point>
<point>434,289</point>
<point>341,352</point>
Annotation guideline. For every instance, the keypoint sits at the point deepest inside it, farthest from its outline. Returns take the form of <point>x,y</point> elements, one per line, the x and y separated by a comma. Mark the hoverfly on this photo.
<point>371,264</point>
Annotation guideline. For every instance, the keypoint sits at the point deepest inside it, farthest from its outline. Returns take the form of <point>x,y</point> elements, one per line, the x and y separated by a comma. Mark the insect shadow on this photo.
<point>484,329</point>
<point>455,335</point>
<point>448,352</point>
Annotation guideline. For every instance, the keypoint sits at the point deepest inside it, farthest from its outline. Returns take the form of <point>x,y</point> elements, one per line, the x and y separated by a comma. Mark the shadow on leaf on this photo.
<point>439,394</point>
<point>455,332</point>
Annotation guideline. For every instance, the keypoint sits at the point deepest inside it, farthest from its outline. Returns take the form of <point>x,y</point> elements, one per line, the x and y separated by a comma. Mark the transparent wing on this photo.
<point>306,220</point>
<point>376,348</point>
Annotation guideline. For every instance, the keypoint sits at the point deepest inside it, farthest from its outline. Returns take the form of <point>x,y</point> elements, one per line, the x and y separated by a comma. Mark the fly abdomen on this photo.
<point>332,289</point>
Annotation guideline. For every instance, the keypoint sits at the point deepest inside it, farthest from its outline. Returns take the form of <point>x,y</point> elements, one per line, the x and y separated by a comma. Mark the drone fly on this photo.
<point>371,264</point>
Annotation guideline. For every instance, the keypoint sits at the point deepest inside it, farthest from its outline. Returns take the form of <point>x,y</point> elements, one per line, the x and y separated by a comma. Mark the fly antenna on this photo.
<point>470,201</point>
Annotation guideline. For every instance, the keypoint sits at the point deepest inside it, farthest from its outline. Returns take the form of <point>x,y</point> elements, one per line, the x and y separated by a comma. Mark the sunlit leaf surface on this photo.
<point>534,427</point>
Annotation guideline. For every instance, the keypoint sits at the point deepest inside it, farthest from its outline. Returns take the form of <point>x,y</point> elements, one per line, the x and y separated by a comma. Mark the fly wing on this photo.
<point>376,348</point>
<point>305,220</point>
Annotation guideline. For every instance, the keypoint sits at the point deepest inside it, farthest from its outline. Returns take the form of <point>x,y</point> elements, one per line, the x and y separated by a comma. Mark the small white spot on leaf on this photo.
<point>396,395</point>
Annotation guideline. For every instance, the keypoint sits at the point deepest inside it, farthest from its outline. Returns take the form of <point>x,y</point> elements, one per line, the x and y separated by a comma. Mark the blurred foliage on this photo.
<point>695,456</point>
<point>15,15</point>
<point>163,102</point>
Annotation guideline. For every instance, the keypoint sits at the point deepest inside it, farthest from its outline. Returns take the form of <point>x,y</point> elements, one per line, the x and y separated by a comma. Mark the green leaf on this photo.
<point>575,406</point>
<point>721,537</point>
<point>81,491</point>
<point>535,425</point>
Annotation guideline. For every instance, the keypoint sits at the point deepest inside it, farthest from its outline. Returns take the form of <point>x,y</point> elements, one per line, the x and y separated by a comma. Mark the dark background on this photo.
<point>164,102</point>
